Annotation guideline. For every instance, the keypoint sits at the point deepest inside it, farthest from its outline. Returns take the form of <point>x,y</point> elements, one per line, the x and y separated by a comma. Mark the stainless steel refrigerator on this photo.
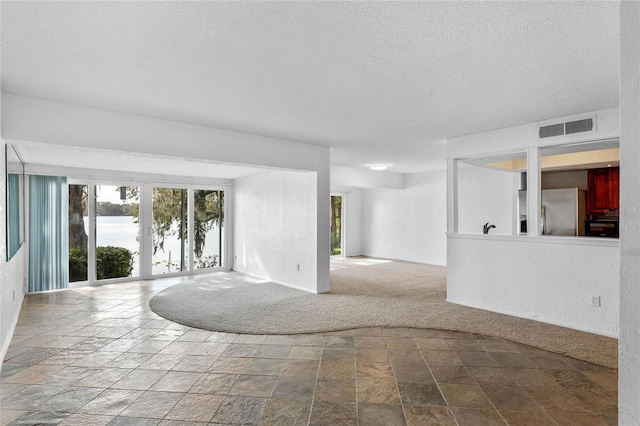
<point>563,211</point>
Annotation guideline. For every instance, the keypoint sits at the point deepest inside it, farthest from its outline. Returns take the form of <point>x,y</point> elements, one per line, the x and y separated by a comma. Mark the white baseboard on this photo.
<point>266,279</point>
<point>512,314</point>
<point>12,328</point>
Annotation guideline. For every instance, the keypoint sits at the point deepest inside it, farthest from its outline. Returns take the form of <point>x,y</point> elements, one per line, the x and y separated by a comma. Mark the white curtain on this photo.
<point>48,233</point>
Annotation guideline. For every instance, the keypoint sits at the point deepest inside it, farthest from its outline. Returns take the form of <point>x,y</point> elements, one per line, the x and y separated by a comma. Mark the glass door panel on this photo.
<point>170,230</point>
<point>117,232</point>
<point>208,232</point>
<point>336,225</point>
<point>78,233</point>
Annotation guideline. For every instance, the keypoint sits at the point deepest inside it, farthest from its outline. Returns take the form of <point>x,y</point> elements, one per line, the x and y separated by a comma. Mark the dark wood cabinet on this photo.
<point>604,191</point>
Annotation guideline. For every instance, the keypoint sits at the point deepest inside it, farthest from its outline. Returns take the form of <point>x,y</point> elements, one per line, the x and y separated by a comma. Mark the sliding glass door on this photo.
<point>117,231</point>
<point>208,232</point>
<point>336,225</point>
<point>170,230</point>
<point>78,233</point>
<point>188,231</point>
<point>104,231</point>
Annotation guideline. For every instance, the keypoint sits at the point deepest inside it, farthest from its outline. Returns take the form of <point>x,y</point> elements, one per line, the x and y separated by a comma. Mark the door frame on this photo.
<point>343,223</point>
<point>145,248</point>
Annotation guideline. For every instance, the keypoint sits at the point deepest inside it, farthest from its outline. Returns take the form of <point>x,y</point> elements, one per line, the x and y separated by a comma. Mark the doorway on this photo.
<point>337,222</point>
<point>104,232</point>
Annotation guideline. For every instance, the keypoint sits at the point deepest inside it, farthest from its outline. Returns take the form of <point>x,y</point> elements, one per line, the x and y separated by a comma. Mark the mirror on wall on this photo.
<point>15,200</point>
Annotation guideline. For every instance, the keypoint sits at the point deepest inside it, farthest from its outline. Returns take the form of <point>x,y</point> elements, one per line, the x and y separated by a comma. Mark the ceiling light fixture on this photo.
<point>378,166</point>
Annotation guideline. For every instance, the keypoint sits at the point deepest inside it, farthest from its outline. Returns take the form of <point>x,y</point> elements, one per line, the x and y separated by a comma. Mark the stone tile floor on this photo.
<point>99,356</point>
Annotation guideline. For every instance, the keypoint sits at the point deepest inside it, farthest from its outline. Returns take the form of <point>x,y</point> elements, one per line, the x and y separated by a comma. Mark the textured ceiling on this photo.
<point>376,81</point>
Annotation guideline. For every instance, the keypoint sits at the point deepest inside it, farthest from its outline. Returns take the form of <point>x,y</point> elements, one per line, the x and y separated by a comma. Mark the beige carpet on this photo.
<point>364,293</point>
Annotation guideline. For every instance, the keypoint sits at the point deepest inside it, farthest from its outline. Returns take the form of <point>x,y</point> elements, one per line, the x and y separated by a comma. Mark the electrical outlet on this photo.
<point>595,301</point>
<point>14,295</point>
<point>298,267</point>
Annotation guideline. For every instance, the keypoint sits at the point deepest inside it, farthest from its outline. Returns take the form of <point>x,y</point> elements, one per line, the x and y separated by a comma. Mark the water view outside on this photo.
<point>119,231</point>
<point>116,207</point>
<point>122,231</point>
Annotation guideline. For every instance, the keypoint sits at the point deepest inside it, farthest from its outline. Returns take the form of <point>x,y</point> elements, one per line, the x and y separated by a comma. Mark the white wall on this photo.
<point>486,195</point>
<point>629,345</point>
<point>526,135</point>
<point>509,273</point>
<point>408,224</point>
<point>353,183</point>
<point>352,220</point>
<point>11,295</point>
<point>537,279</point>
<point>361,178</point>
<point>38,120</point>
<point>11,273</point>
<point>275,227</point>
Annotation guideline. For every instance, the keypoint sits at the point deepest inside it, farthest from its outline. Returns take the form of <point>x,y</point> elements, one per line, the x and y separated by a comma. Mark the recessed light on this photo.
<point>609,165</point>
<point>378,166</point>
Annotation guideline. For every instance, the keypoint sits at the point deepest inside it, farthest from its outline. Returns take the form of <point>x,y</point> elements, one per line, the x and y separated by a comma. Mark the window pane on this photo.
<point>208,230</point>
<point>117,232</point>
<point>170,225</point>
<point>78,233</point>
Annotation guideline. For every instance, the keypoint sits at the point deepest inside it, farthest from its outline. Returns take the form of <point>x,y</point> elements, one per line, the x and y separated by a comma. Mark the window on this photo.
<point>170,230</point>
<point>579,189</point>
<point>208,232</point>
<point>78,233</point>
<point>117,231</point>
<point>336,225</point>
<point>492,194</point>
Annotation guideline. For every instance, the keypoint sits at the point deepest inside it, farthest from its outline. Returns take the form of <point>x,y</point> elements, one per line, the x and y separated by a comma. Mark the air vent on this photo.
<point>552,130</point>
<point>568,128</point>
<point>579,126</point>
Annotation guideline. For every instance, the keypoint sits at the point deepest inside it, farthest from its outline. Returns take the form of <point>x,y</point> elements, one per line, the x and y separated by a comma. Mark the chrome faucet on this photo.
<point>486,227</point>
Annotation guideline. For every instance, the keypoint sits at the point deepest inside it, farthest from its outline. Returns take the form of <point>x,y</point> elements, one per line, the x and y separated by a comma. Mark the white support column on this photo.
<point>190,229</point>
<point>91,252</point>
<point>323,245</point>
<point>629,342</point>
<point>533,193</point>
<point>452,196</point>
<point>228,256</point>
<point>146,229</point>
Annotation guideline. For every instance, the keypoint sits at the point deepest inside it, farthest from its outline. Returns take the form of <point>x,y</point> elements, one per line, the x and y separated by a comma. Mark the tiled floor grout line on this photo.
<point>487,396</point>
